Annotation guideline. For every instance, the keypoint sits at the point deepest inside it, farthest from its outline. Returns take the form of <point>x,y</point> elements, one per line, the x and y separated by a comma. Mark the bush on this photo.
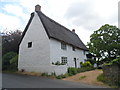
<point>59,77</point>
<point>45,74</point>
<point>92,61</point>
<point>62,76</point>
<point>57,63</point>
<point>14,63</point>
<point>86,64</point>
<point>72,71</point>
<point>83,69</point>
<point>6,60</point>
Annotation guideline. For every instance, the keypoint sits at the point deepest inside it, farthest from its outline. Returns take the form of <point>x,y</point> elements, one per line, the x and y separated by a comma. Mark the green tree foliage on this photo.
<point>6,60</point>
<point>10,41</point>
<point>14,63</point>
<point>105,42</point>
<point>114,61</point>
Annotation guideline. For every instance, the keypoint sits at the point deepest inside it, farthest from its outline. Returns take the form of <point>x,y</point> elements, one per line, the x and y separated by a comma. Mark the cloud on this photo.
<point>13,9</point>
<point>83,15</point>
<point>17,11</point>
<point>91,14</point>
<point>9,22</point>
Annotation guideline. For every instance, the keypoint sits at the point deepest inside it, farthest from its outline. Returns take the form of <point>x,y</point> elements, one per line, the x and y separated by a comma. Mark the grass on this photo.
<point>8,71</point>
<point>82,77</point>
<point>30,73</point>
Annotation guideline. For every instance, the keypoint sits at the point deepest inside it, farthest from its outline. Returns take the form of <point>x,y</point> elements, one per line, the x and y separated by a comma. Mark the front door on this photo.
<point>75,62</point>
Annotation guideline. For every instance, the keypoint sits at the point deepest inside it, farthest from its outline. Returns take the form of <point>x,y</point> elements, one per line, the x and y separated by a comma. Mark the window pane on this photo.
<point>29,44</point>
<point>64,60</point>
<point>63,46</point>
<point>73,48</point>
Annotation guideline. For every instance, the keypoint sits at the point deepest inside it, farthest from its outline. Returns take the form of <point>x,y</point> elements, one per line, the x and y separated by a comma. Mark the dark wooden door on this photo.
<point>75,62</point>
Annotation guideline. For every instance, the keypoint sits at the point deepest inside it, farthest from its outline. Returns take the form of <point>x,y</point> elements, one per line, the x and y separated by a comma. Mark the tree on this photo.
<point>6,60</point>
<point>105,42</point>
<point>10,41</point>
<point>14,63</point>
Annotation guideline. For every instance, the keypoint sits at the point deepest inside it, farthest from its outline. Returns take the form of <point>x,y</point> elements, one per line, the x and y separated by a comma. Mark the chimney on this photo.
<point>73,30</point>
<point>37,8</point>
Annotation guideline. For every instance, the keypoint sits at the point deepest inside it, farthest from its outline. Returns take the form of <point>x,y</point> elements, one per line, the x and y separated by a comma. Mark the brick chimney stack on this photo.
<point>37,8</point>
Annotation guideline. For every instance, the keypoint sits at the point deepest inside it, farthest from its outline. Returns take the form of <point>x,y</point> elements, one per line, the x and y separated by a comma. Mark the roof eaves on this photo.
<point>27,26</point>
<point>70,44</point>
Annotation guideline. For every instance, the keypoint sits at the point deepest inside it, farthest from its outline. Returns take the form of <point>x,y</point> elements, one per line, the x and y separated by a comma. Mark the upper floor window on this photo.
<point>83,52</point>
<point>64,60</point>
<point>63,46</point>
<point>29,44</point>
<point>73,48</point>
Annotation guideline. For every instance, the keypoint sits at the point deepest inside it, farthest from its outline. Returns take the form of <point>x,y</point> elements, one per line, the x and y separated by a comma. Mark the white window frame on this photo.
<point>63,46</point>
<point>64,60</point>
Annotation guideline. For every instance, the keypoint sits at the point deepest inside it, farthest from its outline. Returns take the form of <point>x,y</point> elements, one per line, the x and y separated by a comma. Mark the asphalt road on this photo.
<point>25,81</point>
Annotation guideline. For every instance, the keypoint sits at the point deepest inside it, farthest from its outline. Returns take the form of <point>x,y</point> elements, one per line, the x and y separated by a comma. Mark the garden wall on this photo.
<point>112,72</point>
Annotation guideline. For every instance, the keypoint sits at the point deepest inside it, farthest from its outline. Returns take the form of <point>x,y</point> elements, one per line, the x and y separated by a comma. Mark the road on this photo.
<point>25,81</point>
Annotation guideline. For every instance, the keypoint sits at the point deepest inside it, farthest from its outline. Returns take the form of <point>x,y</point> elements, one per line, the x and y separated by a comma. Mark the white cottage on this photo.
<point>45,42</point>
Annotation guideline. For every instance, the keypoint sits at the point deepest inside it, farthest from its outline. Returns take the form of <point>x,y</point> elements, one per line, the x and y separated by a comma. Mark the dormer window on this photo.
<point>29,44</point>
<point>63,46</point>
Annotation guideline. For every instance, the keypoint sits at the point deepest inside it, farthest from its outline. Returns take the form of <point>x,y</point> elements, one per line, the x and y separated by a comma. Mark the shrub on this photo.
<point>86,64</point>
<point>58,63</point>
<point>83,69</point>
<point>92,61</point>
<point>14,63</point>
<point>72,71</point>
<point>45,74</point>
<point>53,74</point>
<point>62,76</point>
<point>6,60</point>
<point>59,77</point>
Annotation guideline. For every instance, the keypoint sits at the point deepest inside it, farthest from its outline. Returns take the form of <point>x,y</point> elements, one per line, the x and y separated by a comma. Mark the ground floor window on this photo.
<point>64,60</point>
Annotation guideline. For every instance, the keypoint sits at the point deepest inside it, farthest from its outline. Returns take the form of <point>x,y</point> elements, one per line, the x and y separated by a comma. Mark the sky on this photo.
<point>85,16</point>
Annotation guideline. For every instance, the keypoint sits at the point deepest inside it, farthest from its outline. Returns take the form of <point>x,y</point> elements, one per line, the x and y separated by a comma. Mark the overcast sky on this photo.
<point>85,16</point>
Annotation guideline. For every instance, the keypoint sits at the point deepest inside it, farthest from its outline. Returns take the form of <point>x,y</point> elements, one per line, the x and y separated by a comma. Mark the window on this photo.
<point>83,52</point>
<point>64,60</point>
<point>63,46</point>
<point>29,44</point>
<point>73,48</point>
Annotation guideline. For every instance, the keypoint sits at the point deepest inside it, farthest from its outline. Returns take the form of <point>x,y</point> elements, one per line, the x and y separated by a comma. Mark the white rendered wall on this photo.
<point>56,53</point>
<point>39,54</point>
<point>44,51</point>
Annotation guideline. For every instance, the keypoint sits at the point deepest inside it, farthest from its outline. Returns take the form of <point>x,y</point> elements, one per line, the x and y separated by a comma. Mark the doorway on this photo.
<point>75,62</point>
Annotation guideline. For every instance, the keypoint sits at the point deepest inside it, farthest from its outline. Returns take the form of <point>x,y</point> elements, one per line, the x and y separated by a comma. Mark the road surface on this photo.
<point>25,81</point>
